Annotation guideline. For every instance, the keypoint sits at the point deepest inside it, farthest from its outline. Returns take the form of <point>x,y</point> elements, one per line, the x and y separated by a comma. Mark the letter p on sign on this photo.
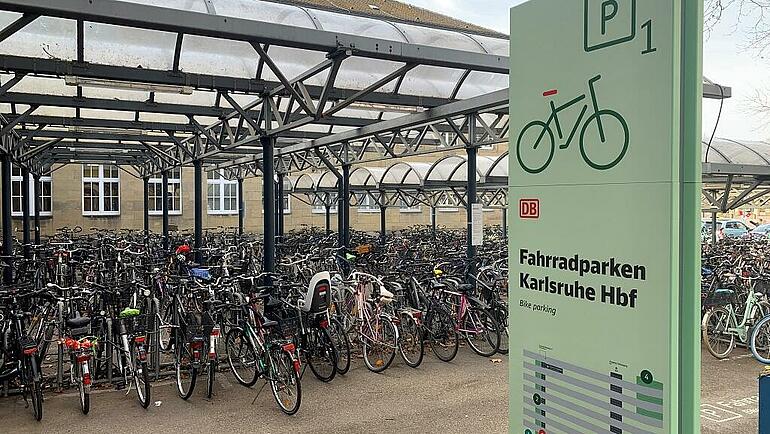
<point>529,208</point>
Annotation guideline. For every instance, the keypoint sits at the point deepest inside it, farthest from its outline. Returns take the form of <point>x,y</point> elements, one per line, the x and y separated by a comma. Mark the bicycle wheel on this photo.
<point>500,311</point>
<point>482,331</point>
<point>186,372</point>
<point>341,345</point>
<point>410,342</point>
<point>284,381</point>
<point>321,354</point>
<point>212,370</point>
<point>716,334</point>
<point>760,341</point>
<point>380,348</point>
<point>33,383</point>
<point>441,333</point>
<point>141,378</point>
<point>83,393</point>
<point>165,332</point>
<point>530,159</point>
<point>610,125</point>
<point>241,357</point>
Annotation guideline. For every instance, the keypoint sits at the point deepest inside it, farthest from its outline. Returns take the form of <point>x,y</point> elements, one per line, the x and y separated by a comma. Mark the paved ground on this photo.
<point>467,395</point>
<point>729,393</point>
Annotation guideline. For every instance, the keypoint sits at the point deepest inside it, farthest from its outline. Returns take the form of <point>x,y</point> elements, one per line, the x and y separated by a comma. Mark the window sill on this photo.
<point>222,213</point>
<point>160,214</point>
<point>102,214</point>
<point>410,211</point>
<point>323,212</point>
<point>368,211</point>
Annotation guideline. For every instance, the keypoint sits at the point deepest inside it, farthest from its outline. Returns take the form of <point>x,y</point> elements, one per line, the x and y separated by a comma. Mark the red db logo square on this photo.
<point>529,208</point>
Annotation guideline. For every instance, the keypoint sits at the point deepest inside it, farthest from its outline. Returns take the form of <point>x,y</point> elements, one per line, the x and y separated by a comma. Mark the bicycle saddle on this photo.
<point>77,323</point>
<point>269,323</point>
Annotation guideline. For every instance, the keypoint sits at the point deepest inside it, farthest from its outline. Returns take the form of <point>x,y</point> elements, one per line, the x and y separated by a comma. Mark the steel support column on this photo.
<point>505,223</point>
<point>25,226</point>
<point>345,208</point>
<point>328,220</point>
<point>268,193</point>
<point>714,228</point>
<point>472,151</point>
<point>198,230</point>
<point>38,204</point>
<point>5,167</point>
<point>146,183</point>
<point>281,211</point>
<point>383,236</point>
<point>340,213</point>
<point>241,206</point>
<point>433,220</point>
<point>164,206</point>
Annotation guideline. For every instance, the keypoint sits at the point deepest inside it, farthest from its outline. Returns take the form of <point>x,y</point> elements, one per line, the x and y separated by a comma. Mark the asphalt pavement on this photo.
<point>466,395</point>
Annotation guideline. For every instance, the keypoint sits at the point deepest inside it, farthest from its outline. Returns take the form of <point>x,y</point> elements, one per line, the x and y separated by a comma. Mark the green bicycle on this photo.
<point>721,326</point>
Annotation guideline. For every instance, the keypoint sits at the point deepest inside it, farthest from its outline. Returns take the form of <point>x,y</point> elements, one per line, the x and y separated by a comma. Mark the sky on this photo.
<point>728,59</point>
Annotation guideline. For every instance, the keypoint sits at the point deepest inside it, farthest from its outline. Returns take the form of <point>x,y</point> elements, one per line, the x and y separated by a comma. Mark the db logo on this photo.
<point>529,208</point>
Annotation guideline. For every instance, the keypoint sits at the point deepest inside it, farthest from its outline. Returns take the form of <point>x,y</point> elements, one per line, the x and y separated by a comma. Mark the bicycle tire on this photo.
<point>235,339</point>
<point>550,155</point>
<point>212,370</point>
<point>441,334</point>
<point>486,320</point>
<point>32,378</point>
<point>85,398</point>
<point>378,365</point>
<point>708,330</point>
<point>181,351</point>
<point>410,335</point>
<point>623,151</point>
<point>324,346</point>
<point>341,345</point>
<point>282,370</point>
<point>761,329</point>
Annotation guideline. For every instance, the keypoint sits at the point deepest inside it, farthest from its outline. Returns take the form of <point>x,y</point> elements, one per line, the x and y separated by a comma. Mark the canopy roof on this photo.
<point>157,84</point>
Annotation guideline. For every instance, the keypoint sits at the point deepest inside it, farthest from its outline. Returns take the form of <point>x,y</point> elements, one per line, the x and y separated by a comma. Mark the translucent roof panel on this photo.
<point>45,37</point>
<point>125,46</point>
<point>404,174</point>
<point>726,151</point>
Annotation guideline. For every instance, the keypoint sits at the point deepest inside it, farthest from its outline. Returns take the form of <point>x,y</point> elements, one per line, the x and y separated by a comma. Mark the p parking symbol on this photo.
<point>608,23</point>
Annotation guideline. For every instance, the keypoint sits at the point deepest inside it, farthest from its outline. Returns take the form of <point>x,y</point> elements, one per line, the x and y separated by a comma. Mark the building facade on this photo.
<point>107,197</point>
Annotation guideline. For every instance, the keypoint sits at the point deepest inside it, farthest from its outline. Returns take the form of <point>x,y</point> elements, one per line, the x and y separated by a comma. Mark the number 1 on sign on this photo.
<point>648,27</point>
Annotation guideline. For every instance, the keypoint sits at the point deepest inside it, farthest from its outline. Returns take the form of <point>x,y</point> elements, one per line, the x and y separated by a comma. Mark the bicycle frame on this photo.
<point>556,110</point>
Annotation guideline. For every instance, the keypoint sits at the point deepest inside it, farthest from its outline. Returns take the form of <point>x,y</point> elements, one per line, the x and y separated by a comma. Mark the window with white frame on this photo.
<point>155,193</point>
<point>286,203</point>
<point>222,194</point>
<point>447,203</point>
<point>45,190</point>
<point>368,204</point>
<point>405,208</point>
<point>101,190</point>
<point>320,209</point>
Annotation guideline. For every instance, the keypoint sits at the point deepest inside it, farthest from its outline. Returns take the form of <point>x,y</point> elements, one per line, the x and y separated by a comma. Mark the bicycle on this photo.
<point>18,351</point>
<point>538,162</point>
<point>721,327</point>
<point>258,347</point>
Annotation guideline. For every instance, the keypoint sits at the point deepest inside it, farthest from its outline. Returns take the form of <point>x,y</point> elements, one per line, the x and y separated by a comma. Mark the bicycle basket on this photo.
<point>137,324</point>
<point>197,325</point>
<point>288,327</point>
<point>720,297</point>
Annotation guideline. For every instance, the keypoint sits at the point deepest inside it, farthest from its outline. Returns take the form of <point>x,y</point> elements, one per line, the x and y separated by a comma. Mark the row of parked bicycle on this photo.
<point>119,309</point>
<point>735,284</point>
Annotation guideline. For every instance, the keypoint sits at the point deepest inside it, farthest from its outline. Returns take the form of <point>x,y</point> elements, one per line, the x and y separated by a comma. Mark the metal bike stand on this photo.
<point>155,341</point>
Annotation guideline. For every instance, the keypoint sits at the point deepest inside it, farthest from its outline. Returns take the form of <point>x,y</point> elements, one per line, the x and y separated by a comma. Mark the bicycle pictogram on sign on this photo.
<point>601,153</point>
